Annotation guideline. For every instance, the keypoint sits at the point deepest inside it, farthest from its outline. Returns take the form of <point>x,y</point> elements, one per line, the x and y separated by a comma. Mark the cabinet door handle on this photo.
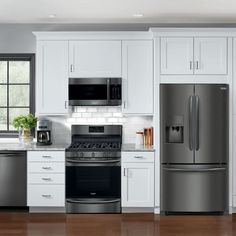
<point>191,65</point>
<point>124,172</point>
<point>47,156</point>
<point>125,104</point>
<point>71,68</point>
<point>47,168</point>
<point>65,104</point>
<point>47,179</point>
<point>139,157</point>
<point>197,65</point>
<point>46,195</point>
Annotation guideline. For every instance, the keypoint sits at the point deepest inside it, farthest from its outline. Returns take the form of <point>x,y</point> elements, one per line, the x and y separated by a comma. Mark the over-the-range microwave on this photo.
<point>95,91</point>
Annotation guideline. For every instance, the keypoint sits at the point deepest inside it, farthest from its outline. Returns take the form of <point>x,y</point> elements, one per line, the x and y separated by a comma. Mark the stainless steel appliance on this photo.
<point>94,91</point>
<point>44,132</point>
<point>194,148</point>
<point>13,179</point>
<point>93,169</point>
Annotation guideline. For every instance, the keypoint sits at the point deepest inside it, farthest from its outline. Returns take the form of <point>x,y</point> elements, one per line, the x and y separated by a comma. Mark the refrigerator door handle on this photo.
<point>191,100</point>
<point>197,124</point>
<point>195,170</point>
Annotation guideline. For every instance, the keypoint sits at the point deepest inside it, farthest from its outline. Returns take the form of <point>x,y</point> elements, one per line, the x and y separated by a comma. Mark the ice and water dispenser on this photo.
<point>174,129</point>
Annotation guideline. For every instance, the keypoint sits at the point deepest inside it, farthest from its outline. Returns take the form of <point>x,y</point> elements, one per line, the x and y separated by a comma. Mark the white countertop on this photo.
<point>131,147</point>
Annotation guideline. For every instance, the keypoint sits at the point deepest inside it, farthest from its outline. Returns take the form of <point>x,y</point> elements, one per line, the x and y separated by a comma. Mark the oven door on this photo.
<point>93,187</point>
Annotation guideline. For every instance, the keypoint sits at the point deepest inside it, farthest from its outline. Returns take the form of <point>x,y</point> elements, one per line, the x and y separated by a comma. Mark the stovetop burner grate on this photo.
<point>92,146</point>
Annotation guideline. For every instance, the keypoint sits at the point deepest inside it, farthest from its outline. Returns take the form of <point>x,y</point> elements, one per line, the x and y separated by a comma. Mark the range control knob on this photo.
<point>93,155</point>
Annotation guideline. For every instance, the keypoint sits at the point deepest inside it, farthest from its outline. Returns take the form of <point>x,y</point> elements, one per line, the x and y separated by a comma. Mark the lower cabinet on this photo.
<point>137,179</point>
<point>46,179</point>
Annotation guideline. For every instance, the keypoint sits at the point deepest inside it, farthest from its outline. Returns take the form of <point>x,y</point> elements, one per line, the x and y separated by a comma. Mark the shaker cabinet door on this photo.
<point>177,56</point>
<point>138,185</point>
<point>137,75</point>
<point>52,77</point>
<point>210,56</point>
<point>93,58</point>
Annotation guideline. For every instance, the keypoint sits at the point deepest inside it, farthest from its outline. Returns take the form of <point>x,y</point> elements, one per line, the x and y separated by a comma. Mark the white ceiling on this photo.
<point>118,11</point>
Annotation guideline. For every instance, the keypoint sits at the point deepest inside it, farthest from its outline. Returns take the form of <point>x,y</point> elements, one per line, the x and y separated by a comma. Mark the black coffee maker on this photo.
<point>44,132</point>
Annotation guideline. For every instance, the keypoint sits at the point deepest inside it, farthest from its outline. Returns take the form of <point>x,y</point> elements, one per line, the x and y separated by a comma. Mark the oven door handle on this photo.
<point>92,202</point>
<point>93,163</point>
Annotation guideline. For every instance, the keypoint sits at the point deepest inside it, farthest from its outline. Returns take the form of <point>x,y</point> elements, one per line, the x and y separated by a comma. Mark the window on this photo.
<point>16,89</point>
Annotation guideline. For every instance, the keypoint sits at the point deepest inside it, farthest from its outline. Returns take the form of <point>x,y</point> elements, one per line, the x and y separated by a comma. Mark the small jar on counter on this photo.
<point>139,138</point>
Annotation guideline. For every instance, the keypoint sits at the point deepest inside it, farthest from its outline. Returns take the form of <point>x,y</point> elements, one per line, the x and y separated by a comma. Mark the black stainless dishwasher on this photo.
<point>13,178</point>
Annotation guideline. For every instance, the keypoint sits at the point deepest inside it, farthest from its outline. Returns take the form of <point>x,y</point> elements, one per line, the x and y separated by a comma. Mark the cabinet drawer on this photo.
<point>46,167</point>
<point>137,156</point>
<point>46,195</point>
<point>44,156</point>
<point>46,179</point>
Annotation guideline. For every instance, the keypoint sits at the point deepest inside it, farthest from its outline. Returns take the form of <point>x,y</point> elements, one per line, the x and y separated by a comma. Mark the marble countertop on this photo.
<point>131,147</point>
<point>32,147</point>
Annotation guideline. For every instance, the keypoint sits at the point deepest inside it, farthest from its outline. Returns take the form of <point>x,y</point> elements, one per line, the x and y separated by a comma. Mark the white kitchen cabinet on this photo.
<point>210,56</point>
<point>137,181</point>
<point>137,75</point>
<point>46,178</point>
<point>193,55</point>
<point>177,56</point>
<point>51,77</point>
<point>92,58</point>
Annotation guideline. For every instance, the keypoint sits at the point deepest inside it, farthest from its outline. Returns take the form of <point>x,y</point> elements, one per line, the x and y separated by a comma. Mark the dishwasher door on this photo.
<point>194,189</point>
<point>13,178</point>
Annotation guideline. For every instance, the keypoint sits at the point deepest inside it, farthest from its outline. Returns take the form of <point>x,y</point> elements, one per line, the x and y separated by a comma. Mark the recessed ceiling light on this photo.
<point>138,15</point>
<point>52,16</point>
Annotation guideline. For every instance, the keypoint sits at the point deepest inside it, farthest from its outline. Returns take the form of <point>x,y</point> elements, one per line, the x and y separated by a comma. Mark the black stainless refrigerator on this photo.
<point>194,148</point>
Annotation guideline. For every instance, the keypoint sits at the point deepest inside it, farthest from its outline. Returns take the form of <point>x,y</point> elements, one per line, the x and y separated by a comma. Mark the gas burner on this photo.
<point>92,146</point>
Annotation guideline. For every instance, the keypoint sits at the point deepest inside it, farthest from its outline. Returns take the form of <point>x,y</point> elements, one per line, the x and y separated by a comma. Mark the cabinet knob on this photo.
<point>139,157</point>
<point>47,156</point>
<point>47,179</point>
<point>71,68</point>
<point>47,195</point>
<point>46,168</point>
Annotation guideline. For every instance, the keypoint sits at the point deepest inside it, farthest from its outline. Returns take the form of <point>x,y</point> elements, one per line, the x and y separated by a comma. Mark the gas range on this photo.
<point>93,167</point>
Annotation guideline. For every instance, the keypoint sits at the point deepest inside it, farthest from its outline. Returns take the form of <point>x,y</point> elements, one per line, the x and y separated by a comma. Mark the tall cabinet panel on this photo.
<point>137,75</point>
<point>210,56</point>
<point>92,58</point>
<point>177,55</point>
<point>52,77</point>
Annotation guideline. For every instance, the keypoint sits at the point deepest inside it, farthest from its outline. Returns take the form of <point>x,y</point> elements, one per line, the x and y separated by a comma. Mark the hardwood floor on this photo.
<point>114,225</point>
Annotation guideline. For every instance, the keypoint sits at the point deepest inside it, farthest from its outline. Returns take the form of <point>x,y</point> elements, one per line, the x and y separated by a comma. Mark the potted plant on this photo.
<point>25,123</point>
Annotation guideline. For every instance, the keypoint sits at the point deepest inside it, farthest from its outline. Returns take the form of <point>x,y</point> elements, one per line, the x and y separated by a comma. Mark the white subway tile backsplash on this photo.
<point>99,115</point>
<point>87,115</point>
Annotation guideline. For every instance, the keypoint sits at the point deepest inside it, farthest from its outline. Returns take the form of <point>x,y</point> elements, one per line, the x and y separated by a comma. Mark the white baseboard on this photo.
<point>47,210</point>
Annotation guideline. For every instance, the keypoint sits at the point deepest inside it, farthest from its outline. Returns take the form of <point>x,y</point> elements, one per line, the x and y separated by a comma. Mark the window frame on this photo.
<point>21,57</point>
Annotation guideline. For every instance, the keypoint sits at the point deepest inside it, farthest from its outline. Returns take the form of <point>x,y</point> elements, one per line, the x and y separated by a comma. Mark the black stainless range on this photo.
<point>93,169</point>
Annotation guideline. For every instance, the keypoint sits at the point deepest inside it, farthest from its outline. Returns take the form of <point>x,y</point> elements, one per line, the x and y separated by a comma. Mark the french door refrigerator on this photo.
<point>194,148</point>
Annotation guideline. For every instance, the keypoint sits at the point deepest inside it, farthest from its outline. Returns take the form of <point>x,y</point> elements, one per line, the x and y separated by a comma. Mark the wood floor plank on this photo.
<point>25,224</point>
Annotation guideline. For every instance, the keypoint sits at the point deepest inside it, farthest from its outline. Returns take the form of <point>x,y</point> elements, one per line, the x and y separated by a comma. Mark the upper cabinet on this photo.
<point>137,75</point>
<point>51,77</point>
<point>198,55</point>
<point>92,58</point>
<point>176,56</point>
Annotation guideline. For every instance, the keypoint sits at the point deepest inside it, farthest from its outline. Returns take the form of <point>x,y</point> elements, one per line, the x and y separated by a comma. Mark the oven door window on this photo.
<point>88,92</point>
<point>84,182</point>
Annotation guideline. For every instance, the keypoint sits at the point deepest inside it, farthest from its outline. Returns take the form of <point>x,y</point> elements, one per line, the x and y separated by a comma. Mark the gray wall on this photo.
<point>18,38</point>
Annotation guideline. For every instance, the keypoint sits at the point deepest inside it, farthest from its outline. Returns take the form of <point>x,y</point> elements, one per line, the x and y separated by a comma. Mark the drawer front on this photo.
<point>46,167</point>
<point>137,156</point>
<point>46,195</point>
<point>46,179</point>
<point>46,156</point>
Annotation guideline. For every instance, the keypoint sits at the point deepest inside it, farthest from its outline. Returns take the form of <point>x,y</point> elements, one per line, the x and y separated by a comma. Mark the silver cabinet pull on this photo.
<point>71,68</point>
<point>47,168</point>
<point>47,195</point>
<point>197,65</point>
<point>65,104</point>
<point>47,179</point>
<point>124,104</point>
<point>47,156</point>
<point>124,172</point>
<point>139,157</point>
<point>190,65</point>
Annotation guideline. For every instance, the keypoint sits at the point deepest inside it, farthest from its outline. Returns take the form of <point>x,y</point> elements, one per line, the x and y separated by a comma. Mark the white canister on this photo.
<point>139,138</point>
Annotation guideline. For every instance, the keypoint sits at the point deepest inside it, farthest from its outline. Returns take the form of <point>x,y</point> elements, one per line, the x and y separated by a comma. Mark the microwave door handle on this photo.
<point>108,92</point>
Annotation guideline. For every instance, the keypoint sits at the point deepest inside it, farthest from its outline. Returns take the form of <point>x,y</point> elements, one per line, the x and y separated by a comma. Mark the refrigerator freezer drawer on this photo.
<point>194,189</point>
